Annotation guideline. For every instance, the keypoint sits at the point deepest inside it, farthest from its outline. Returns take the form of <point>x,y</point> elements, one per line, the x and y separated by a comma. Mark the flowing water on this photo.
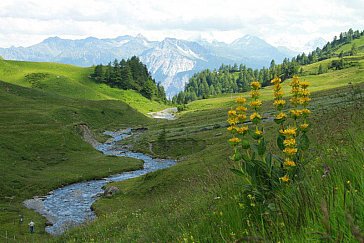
<point>71,205</point>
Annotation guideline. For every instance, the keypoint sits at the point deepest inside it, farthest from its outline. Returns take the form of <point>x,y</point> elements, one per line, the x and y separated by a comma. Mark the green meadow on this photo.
<point>70,81</point>
<point>197,200</point>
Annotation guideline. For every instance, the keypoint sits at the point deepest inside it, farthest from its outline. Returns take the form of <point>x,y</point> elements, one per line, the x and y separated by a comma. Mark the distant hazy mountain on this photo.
<point>313,44</point>
<point>170,61</point>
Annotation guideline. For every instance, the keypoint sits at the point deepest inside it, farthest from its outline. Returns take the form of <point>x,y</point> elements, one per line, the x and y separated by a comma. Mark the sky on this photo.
<point>288,23</point>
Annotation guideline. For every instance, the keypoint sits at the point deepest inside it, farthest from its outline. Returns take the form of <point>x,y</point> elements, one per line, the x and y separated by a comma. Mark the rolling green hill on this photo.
<point>197,200</point>
<point>70,81</point>
<point>353,74</point>
<point>41,148</point>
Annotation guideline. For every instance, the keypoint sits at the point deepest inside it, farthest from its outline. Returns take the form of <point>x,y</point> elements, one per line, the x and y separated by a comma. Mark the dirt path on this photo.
<point>168,114</point>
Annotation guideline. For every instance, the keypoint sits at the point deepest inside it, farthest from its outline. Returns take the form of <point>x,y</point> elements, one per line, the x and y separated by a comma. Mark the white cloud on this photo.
<point>292,23</point>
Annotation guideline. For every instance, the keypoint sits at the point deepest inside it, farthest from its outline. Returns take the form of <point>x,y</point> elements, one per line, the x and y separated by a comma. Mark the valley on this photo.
<point>45,105</point>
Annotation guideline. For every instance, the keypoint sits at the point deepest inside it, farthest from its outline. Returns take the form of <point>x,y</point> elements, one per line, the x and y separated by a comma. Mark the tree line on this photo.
<point>236,78</point>
<point>130,74</point>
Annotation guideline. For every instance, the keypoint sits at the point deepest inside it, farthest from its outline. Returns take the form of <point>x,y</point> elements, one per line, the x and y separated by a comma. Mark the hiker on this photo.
<point>31,226</point>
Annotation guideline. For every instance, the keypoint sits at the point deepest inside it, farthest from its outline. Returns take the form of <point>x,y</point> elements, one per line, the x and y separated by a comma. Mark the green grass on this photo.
<point>324,81</point>
<point>41,148</point>
<point>70,81</point>
<point>197,200</point>
<point>353,73</point>
<point>347,48</point>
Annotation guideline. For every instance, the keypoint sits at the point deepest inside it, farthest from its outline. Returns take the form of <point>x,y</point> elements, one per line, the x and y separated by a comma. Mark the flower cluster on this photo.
<point>295,90</point>
<point>300,99</point>
<point>256,104</point>
<point>304,102</point>
<point>279,102</point>
<point>236,119</point>
<point>292,139</point>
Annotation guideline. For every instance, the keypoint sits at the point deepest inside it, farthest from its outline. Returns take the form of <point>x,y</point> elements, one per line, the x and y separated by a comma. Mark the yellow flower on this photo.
<point>290,142</point>
<point>233,121</point>
<point>295,90</point>
<point>305,92</point>
<point>304,126</point>
<point>232,113</point>
<point>240,100</point>
<point>277,87</point>
<point>279,102</point>
<point>276,80</point>
<point>255,85</point>
<point>278,94</point>
<point>256,103</point>
<point>234,140</point>
<point>290,151</point>
<point>289,162</point>
<point>281,115</point>
<point>290,131</point>
<point>295,81</point>
<point>304,100</point>
<point>296,113</point>
<point>258,132</point>
<point>295,100</point>
<point>304,84</point>
<point>284,178</point>
<point>241,108</point>
<point>305,111</point>
<point>242,117</point>
<point>242,130</point>
<point>230,128</point>
<point>254,116</point>
<point>254,93</point>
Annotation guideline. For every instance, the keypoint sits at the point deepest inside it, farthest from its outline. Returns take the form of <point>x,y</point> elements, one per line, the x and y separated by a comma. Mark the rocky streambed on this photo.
<point>70,206</point>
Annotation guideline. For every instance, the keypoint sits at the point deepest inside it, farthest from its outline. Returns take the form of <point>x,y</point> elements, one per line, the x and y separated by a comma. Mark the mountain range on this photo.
<point>170,61</point>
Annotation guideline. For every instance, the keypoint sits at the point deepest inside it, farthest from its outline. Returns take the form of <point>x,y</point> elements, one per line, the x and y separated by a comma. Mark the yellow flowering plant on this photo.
<point>265,171</point>
<point>292,140</point>
<point>255,165</point>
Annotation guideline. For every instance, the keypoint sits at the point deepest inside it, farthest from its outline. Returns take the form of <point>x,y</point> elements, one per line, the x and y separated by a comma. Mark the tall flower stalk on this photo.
<point>256,105</point>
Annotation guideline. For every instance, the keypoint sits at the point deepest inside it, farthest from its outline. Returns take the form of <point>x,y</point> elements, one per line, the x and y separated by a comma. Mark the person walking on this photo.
<point>31,226</point>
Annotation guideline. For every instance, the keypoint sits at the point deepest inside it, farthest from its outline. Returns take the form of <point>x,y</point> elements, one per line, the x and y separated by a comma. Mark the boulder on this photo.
<point>48,223</point>
<point>111,191</point>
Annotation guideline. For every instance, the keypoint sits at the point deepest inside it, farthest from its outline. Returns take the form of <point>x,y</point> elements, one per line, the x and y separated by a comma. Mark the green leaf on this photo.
<point>280,140</point>
<point>268,160</point>
<point>245,144</point>
<point>245,157</point>
<point>261,146</point>
<point>237,172</point>
<point>237,156</point>
<point>304,142</point>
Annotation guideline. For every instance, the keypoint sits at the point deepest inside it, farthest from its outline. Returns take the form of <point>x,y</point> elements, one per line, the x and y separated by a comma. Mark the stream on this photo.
<point>70,206</point>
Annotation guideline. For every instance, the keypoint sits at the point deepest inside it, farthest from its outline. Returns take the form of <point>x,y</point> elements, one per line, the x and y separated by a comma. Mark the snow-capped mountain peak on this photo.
<point>171,61</point>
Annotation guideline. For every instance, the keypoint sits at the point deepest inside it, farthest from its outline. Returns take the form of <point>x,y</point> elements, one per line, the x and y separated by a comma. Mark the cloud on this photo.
<point>26,22</point>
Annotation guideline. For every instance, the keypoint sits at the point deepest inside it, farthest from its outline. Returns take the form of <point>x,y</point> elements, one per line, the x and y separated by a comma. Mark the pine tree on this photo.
<point>148,89</point>
<point>354,50</point>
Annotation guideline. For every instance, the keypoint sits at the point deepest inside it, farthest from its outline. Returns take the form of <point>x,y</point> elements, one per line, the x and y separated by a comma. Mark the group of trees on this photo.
<point>234,78</point>
<point>130,74</point>
<point>330,47</point>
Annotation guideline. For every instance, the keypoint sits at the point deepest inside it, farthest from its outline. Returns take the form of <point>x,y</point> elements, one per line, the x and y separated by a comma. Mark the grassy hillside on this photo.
<point>41,148</point>
<point>198,199</point>
<point>70,81</point>
<point>329,80</point>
